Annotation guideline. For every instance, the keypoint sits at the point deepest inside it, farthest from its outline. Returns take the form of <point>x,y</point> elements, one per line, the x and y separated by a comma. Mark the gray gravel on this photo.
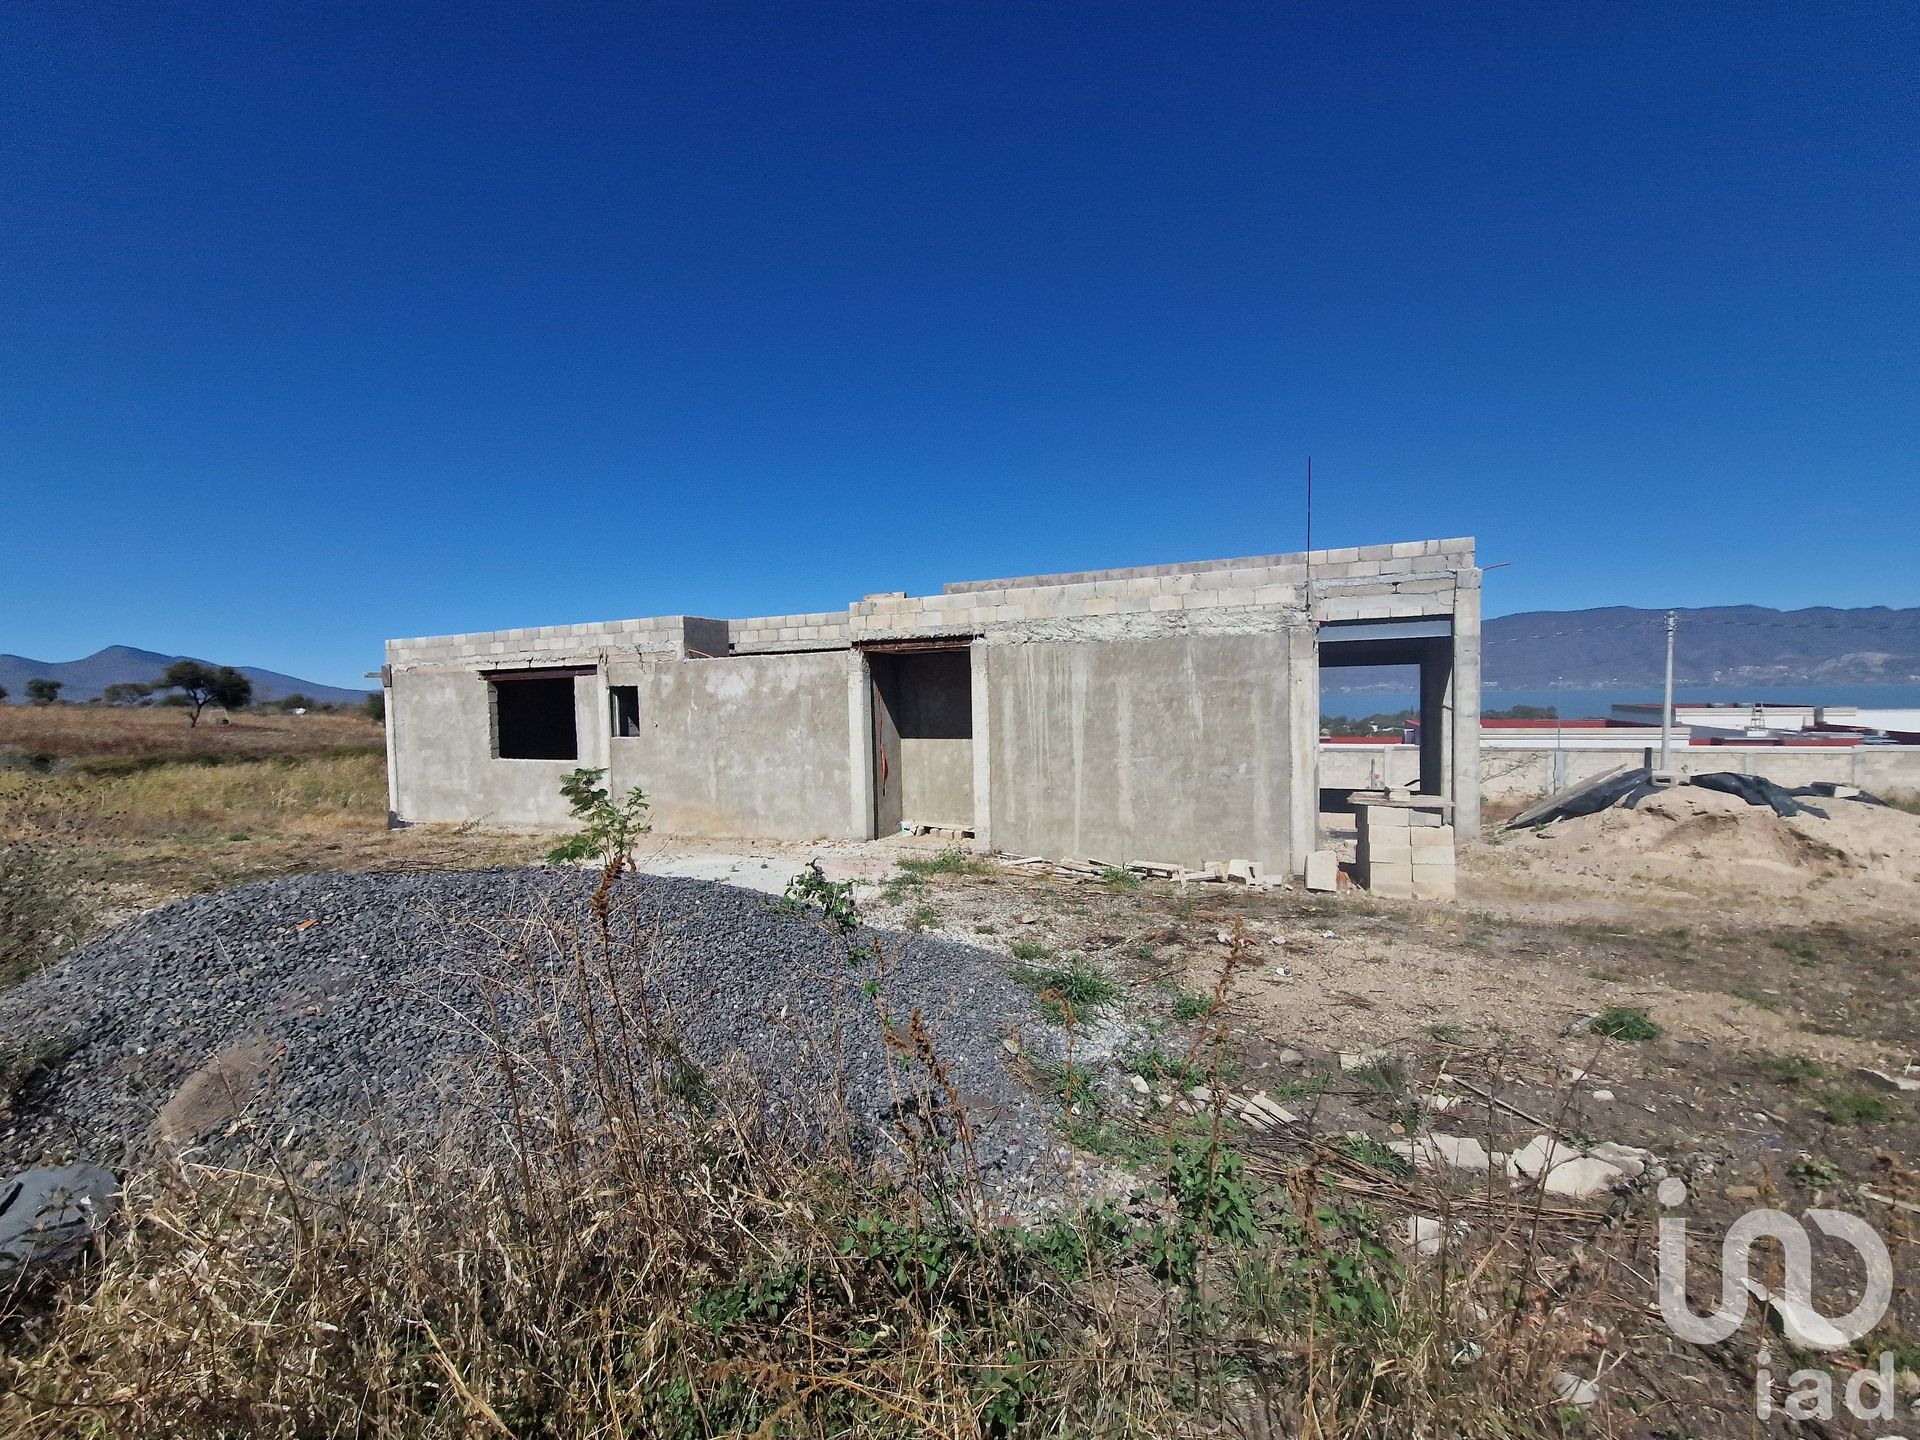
<point>348,1019</point>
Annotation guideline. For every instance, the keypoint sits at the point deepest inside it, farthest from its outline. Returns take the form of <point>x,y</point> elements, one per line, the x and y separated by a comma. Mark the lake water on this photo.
<point>1576,704</point>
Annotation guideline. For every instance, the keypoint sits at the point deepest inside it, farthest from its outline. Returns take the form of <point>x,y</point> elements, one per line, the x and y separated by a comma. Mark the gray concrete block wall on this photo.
<point>819,630</point>
<point>1436,554</point>
<point>1170,749</point>
<point>752,745</point>
<point>444,769</point>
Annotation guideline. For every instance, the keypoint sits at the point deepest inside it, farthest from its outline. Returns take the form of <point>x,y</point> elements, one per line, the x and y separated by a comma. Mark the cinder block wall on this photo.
<point>753,745</point>
<point>1172,748</point>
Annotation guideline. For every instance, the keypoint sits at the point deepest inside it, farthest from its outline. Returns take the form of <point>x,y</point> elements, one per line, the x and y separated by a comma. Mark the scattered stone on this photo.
<point>1290,1057</point>
<point>1603,1095</point>
<point>1801,1325</point>
<point>1880,1080</point>
<point>1571,1389</point>
<point>1742,1192</point>
<point>1139,1082</point>
<point>1361,1059</point>
<point>1462,1152</point>
<point>1424,1235</point>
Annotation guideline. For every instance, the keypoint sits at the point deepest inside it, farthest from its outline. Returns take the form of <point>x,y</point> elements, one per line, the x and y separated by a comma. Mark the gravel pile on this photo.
<point>353,1019</point>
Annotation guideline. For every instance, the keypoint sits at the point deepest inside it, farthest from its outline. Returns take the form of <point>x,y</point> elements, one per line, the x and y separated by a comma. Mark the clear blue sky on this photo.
<point>326,322</point>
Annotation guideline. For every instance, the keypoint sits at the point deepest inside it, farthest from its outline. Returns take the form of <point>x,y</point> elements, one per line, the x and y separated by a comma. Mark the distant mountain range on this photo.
<point>123,665</point>
<point>1620,647</point>
<point>1718,645</point>
<point>1541,649</point>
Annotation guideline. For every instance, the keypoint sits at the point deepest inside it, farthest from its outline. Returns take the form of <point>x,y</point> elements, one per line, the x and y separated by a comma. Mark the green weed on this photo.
<point>1623,1023</point>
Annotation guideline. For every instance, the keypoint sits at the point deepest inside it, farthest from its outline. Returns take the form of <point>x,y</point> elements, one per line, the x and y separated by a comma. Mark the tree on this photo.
<point>44,692</point>
<point>375,707</point>
<point>126,692</point>
<point>3,692</point>
<point>295,701</point>
<point>204,685</point>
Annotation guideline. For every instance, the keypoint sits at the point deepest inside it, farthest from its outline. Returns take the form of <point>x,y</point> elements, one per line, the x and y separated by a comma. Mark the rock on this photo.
<point>1290,1057</point>
<point>1139,1082</point>
<point>1582,1179</point>
<point>1742,1192</point>
<point>1603,1095</point>
<point>1571,1389</point>
<point>1424,1235</point>
<point>1441,1103</point>
<point>1803,1327</point>
<point>1880,1080</point>
<point>1260,1100</point>
<point>49,1213</point>
<point>1564,1169</point>
<point>1462,1152</point>
<point>1361,1059</point>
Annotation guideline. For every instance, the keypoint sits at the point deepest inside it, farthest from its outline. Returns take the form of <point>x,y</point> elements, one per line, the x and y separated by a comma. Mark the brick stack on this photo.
<point>1406,852</point>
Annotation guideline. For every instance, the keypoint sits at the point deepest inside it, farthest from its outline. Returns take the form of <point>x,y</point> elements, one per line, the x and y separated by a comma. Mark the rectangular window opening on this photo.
<point>624,701</point>
<point>533,718</point>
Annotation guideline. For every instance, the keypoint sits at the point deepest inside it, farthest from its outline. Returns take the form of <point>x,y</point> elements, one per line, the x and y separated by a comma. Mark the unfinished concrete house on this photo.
<point>1168,712</point>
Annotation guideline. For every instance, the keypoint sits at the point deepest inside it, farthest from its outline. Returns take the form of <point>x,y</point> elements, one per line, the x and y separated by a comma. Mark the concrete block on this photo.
<point>1432,857</point>
<point>1390,884</point>
<point>1419,819</point>
<point>1099,605</point>
<point>1164,602</point>
<point>1323,871</point>
<point>1384,817</point>
<point>1428,838</point>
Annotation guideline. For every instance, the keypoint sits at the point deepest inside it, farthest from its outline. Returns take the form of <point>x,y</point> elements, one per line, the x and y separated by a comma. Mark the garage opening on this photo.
<point>533,715</point>
<point>922,738</point>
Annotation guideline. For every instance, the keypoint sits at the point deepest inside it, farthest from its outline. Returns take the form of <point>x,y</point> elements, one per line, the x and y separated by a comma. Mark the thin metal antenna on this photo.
<point>1309,504</point>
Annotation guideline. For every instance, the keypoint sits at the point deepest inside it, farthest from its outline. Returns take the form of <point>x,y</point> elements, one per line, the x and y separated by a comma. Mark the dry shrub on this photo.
<point>646,1257</point>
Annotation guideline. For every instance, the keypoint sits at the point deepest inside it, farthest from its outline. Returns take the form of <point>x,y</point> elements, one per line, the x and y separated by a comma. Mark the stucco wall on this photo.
<point>752,745</point>
<point>444,768</point>
<point>1169,749</point>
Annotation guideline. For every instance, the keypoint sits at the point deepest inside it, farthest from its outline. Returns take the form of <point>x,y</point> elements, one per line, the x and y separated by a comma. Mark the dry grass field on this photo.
<point>138,808</point>
<point>95,732</point>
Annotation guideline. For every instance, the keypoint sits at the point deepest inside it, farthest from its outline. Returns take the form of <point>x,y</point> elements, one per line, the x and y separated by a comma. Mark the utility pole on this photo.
<point>1666,710</point>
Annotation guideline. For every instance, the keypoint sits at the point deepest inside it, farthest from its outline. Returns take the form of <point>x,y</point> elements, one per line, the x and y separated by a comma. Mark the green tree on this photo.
<point>42,691</point>
<point>3,692</point>
<point>203,685</point>
<point>295,701</point>
<point>126,692</point>
<point>376,707</point>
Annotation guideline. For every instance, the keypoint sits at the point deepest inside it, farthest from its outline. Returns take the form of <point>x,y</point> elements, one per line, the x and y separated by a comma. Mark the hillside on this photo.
<point>1728,644</point>
<point>122,664</point>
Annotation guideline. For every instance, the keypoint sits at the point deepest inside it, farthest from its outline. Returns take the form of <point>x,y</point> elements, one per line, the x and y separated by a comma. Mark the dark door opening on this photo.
<point>922,705</point>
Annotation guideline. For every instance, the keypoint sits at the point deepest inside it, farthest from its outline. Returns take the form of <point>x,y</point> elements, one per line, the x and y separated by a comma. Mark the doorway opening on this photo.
<point>1409,666</point>
<point>922,710</point>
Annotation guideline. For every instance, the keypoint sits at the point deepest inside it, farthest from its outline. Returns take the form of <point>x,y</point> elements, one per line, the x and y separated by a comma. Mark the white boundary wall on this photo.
<point>1509,771</point>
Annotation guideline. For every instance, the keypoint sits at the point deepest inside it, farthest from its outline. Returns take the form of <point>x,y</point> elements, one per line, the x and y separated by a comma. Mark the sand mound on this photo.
<point>1699,843</point>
